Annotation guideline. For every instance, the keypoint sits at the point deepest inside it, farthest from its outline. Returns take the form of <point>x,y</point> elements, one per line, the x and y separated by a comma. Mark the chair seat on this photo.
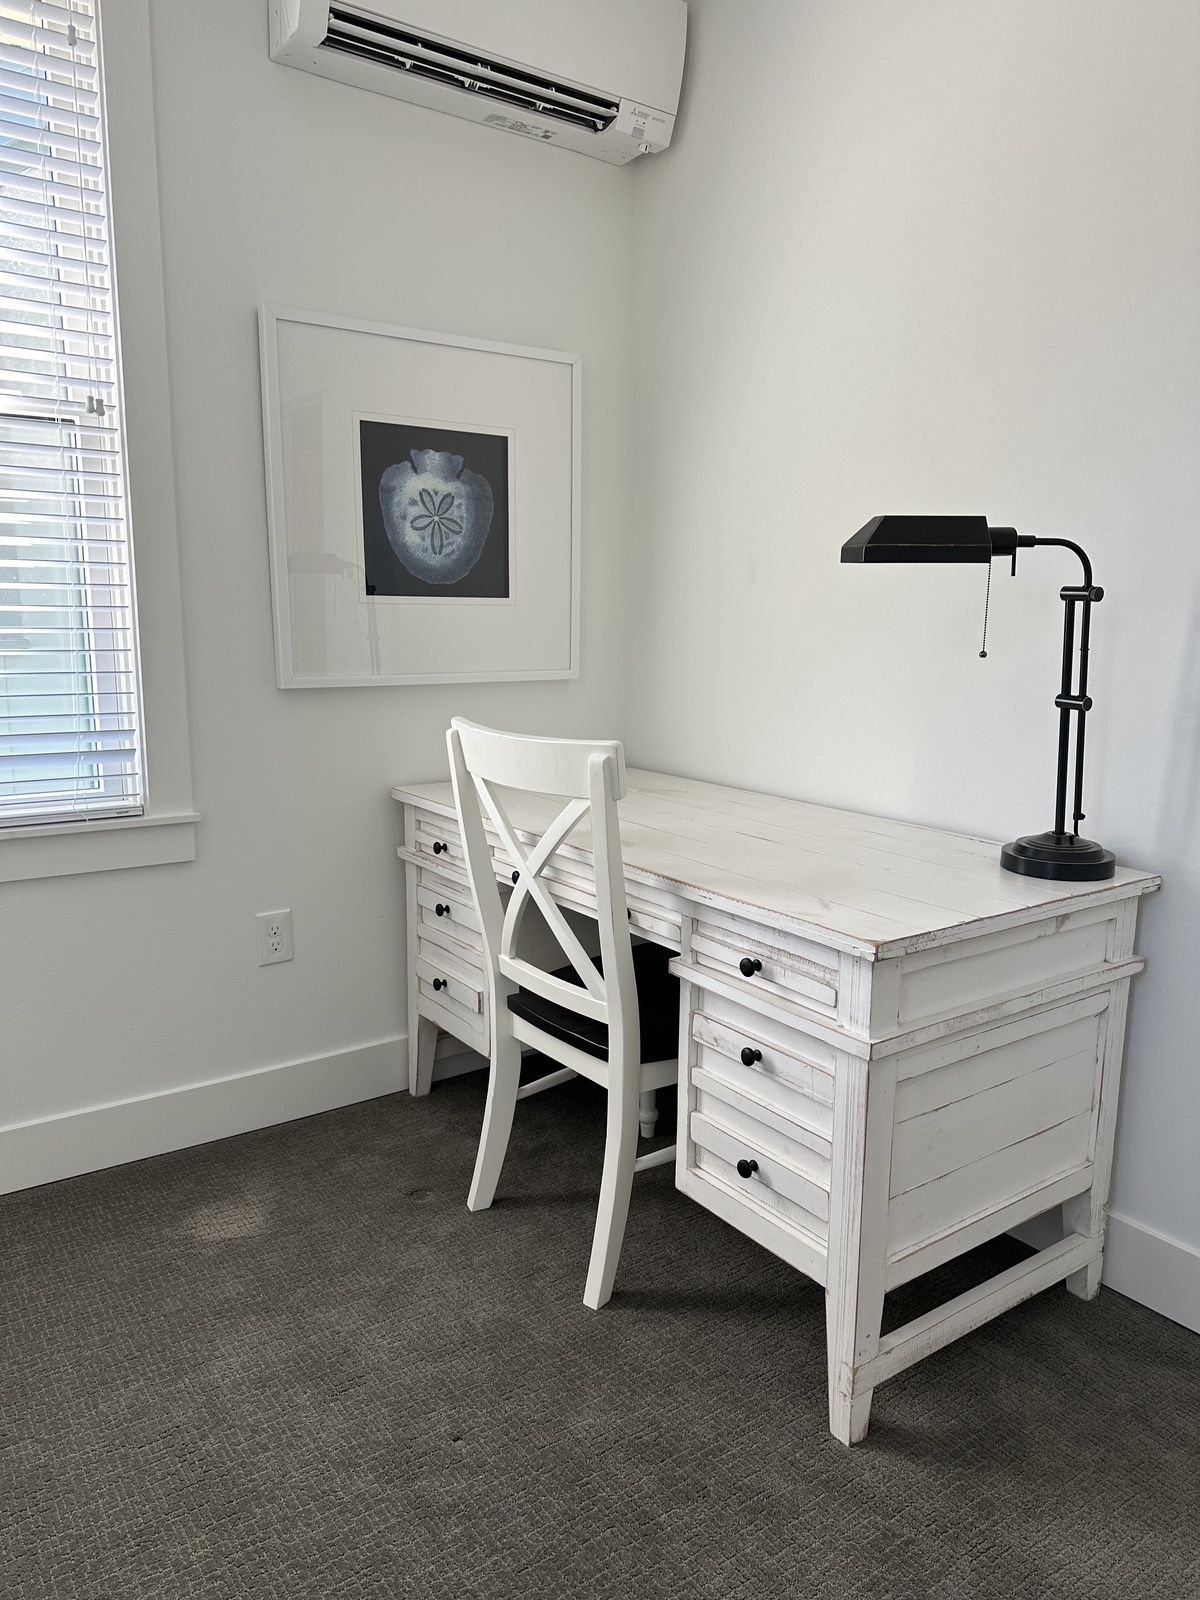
<point>658,1009</point>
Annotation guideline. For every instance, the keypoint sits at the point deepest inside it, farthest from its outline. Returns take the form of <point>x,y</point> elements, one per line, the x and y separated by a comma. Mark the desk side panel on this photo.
<point>988,1123</point>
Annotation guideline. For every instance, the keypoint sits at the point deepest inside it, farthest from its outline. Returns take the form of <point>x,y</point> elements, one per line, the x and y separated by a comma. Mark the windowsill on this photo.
<point>64,848</point>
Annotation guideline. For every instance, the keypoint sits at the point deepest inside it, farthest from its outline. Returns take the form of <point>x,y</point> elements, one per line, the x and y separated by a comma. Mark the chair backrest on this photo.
<point>590,776</point>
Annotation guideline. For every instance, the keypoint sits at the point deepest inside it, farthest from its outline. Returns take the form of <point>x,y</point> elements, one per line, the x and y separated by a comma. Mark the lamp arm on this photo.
<point>1063,544</point>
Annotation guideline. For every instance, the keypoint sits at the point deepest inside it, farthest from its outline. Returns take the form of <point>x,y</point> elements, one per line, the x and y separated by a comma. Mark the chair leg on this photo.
<point>620,1153</point>
<point>503,1083</point>
<point>647,1112</point>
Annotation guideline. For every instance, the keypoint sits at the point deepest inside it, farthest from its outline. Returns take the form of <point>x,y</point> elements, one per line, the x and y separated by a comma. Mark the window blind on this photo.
<point>70,738</point>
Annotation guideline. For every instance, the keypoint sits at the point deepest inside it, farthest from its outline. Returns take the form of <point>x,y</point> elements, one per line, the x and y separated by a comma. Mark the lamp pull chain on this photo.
<point>987,598</point>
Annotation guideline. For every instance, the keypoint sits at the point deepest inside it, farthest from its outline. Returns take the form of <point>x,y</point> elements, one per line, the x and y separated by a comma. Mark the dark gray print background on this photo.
<point>434,511</point>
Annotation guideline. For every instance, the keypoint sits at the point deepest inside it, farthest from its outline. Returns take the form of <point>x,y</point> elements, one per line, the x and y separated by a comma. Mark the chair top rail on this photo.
<point>531,762</point>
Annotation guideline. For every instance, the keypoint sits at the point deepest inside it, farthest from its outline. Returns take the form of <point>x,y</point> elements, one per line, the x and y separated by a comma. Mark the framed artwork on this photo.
<point>423,504</point>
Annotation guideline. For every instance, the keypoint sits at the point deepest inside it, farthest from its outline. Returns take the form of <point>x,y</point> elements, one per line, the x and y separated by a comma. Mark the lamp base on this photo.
<point>1058,855</point>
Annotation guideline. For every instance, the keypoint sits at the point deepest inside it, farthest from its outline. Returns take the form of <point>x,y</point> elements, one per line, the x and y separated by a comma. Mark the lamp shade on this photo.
<point>921,539</point>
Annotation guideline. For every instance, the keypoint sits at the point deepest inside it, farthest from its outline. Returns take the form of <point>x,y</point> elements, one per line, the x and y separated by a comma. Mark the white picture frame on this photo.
<point>352,606</point>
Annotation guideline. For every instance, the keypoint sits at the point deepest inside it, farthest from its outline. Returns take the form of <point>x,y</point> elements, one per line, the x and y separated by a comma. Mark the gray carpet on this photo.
<point>292,1364</point>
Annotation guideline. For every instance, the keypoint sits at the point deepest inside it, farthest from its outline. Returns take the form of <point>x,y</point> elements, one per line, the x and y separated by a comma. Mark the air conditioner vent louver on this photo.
<point>599,77</point>
<point>371,39</point>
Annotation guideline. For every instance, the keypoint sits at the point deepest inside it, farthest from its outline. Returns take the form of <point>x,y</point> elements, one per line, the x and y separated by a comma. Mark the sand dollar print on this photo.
<point>436,516</point>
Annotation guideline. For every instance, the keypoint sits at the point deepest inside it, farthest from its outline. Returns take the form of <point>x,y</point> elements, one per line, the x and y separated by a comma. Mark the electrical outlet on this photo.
<point>274,936</point>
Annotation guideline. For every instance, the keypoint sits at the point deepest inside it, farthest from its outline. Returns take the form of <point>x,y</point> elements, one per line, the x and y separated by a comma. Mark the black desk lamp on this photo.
<point>1057,854</point>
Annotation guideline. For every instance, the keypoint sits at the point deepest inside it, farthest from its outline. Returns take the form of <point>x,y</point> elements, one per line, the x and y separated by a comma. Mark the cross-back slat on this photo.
<point>530,888</point>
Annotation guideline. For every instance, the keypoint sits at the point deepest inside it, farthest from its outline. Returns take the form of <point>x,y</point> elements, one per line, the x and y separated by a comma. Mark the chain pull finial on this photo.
<point>987,599</point>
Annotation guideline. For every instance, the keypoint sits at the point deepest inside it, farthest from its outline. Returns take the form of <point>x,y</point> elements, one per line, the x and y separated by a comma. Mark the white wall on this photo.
<point>928,256</point>
<point>280,186</point>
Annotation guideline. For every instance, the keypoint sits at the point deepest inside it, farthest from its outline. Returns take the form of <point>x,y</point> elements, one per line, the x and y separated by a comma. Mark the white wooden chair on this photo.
<point>616,1023</point>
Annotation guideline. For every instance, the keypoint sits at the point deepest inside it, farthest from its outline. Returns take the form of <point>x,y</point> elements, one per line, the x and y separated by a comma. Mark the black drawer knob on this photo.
<point>749,965</point>
<point>747,1169</point>
<point>749,1057</point>
<point>439,983</point>
<point>440,910</point>
<point>438,847</point>
<point>516,875</point>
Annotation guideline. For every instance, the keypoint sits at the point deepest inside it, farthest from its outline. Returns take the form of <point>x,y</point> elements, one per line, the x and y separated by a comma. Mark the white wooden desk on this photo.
<point>890,1049</point>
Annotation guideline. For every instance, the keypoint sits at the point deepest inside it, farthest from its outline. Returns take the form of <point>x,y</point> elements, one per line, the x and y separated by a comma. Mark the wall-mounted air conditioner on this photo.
<point>598,76</point>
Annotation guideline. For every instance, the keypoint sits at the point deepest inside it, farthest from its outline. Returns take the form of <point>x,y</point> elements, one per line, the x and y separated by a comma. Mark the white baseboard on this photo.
<point>129,1130</point>
<point>1155,1270</point>
<point>1139,1262</point>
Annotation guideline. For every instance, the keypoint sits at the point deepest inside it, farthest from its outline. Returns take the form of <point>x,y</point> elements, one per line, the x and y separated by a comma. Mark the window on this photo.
<point>70,723</point>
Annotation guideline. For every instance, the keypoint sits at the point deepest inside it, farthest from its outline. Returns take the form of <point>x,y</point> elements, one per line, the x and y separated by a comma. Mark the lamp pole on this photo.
<point>1062,853</point>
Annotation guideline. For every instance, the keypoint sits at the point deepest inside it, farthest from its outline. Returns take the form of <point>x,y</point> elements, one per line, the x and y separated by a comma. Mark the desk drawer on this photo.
<point>658,927</point>
<point>437,839</point>
<point>767,961</point>
<point>773,1183</point>
<point>447,978</point>
<point>443,913</point>
<point>454,943</point>
<point>734,1048</point>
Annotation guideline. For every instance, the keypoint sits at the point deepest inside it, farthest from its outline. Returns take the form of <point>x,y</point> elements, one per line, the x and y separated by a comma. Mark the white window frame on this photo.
<point>166,830</point>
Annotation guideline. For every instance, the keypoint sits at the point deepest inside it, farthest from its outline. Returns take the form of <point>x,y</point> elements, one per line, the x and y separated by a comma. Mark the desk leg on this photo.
<point>422,1033</point>
<point>422,1045</point>
<point>864,1097</point>
<point>1086,1214</point>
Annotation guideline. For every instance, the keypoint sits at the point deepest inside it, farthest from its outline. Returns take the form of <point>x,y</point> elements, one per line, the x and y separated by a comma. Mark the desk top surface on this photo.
<point>863,884</point>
